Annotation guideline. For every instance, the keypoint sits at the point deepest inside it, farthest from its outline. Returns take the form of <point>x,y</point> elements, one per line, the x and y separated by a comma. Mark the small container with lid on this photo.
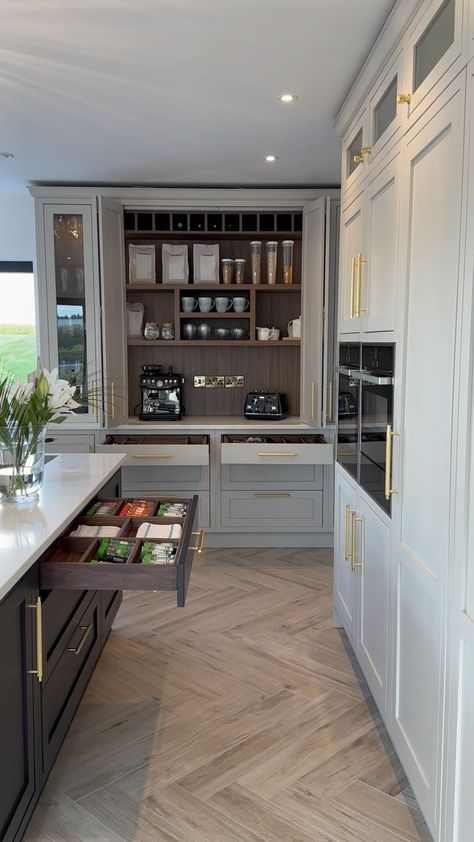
<point>227,270</point>
<point>271,248</point>
<point>167,330</point>
<point>256,261</point>
<point>239,264</point>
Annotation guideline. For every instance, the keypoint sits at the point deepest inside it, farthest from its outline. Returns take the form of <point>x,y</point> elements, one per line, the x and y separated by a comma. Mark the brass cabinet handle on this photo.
<point>347,551</point>
<point>151,455</point>
<point>87,630</point>
<point>330,414</point>
<point>200,544</point>
<point>112,399</point>
<point>38,607</point>
<point>354,563</point>
<point>388,462</point>
<point>365,150</point>
<point>269,496</point>
<point>281,453</point>
<point>403,99</point>
<point>359,261</point>
<point>353,265</point>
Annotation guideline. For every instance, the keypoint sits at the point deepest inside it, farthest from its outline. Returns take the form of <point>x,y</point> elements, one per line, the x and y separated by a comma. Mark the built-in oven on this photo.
<point>365,412</point>
<point>348,399</point>
<point>376,416</point>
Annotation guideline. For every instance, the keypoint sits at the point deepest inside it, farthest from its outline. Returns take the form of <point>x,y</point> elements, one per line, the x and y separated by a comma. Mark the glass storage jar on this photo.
<point>227,270</point>
<point>287,246</point>
<point>271,248</point>
<point>239,265</point>
<point>256,261</point>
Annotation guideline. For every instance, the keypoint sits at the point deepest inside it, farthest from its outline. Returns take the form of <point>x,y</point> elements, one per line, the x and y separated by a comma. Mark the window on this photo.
<point>18,350</point>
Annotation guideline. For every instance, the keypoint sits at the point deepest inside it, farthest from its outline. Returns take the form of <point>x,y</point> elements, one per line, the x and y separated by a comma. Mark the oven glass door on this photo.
<point>375,416</point>
<point>348,421</point>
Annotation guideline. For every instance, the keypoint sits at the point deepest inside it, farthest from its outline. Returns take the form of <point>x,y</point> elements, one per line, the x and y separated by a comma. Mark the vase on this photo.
<point>21,466</point>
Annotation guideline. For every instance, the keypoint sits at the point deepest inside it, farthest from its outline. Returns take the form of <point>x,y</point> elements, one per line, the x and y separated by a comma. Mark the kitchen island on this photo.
<point>57,608</point>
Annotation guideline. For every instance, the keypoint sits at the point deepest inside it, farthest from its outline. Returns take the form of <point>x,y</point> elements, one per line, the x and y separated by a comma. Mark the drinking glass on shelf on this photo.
<point>271,247</point>
<point>256,260</point>
<point>239,264</point>
<point>287,246</point>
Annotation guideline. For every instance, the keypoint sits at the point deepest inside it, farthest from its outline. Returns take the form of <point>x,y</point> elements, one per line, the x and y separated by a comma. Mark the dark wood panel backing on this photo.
<point>159,308</point>
<point>61,612</point>
<point>186,556</point>
<point>277,311</point>
<point>18,704</point>
<point>62,694</point>
<point>110,602</point>
<point>265,367</point>
<point>228,248</point>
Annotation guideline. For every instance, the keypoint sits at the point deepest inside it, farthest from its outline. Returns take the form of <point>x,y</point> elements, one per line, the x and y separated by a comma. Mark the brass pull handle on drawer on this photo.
<point>200,544</point>
<point>38,607</point>
<point>87,630</point>
<point>276,494</point>
<point>151,455</point>
<point>280,453</point>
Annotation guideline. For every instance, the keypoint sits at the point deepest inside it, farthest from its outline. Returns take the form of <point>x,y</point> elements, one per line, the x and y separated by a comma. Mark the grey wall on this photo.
<point>17,232</point>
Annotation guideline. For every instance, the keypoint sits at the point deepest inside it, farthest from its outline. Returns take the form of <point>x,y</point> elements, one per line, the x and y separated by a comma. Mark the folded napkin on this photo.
<point>158,530</point>
<point>84,531</point>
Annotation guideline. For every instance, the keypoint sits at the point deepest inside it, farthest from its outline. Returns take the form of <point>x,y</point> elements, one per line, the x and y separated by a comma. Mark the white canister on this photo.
<point>135,313</point>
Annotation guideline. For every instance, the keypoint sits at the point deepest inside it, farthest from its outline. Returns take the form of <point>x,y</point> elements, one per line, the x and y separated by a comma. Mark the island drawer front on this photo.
<point>61,611</point>
<point>110,602</point>
<point>159,454</point>
<point>273,454</point>
<point>62,693</point>
<point>274,476</point>
<point>272,509</point>
<point>69,443</point>
<point>66,574</point>
<point>166,478</point>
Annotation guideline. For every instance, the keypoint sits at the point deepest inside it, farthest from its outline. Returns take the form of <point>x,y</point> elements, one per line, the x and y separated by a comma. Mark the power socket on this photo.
<point>199,381</point>
<point>240,380</point>
<point>234,380</point>
<point>212,381</point>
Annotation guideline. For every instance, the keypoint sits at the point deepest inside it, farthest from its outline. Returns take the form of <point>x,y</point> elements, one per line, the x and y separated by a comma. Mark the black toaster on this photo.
<point>266,406</point>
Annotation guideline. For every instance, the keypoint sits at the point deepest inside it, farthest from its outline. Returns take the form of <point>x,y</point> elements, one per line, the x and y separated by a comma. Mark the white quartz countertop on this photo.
<point>70,481</point>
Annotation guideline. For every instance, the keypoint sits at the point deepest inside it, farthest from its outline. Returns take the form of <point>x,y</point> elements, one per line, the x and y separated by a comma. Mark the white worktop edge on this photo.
<point>26,532</point>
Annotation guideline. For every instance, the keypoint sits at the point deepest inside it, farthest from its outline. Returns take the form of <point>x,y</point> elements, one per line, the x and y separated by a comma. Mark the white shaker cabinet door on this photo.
<point>350,267</point>
<point>346,578</point>
<point>114,330</point>
<point>374,602</point>
<point>423,415</point>
<point>379,277</point>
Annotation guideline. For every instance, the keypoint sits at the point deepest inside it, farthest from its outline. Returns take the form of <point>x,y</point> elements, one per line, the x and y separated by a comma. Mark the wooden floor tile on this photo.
<point>241,718</point>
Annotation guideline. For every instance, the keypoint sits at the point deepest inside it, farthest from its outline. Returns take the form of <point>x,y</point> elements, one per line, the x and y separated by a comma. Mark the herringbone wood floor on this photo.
<point>237,719</point>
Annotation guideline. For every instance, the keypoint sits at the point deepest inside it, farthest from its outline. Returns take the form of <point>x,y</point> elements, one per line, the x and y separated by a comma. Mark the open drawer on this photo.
<point>77,561</point>
<point>159,449</point>
<point>288,449</point>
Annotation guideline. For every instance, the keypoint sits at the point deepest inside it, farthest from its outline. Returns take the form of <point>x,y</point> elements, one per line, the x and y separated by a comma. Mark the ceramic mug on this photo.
<point>206,304</point>
<point>188,304</point>
<point>204,331</point>
<point>264,333</point>
<point>189,331</point>
<point>240,304</point>
<point>223,304</point>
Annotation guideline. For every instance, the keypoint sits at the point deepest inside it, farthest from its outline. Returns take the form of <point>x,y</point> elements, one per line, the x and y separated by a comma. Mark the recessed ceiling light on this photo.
<point>271,158</point>
<point>287,97</point>
<point>6,155</point>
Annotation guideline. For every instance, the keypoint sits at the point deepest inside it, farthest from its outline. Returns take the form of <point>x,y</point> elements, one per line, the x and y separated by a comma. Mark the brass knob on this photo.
<point>404,99</point>
<point>358,159</point>
<point>365,150</point>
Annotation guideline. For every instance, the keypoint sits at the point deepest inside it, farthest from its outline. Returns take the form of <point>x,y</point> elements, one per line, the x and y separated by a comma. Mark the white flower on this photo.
<point>60,394</point>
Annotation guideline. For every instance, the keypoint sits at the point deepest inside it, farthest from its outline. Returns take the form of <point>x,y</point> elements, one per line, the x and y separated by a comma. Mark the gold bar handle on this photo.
<point>283,453</point>
<point>353,265</point>
<point>354,563</point>
<point>330,414</point>
<point>359,261</point>
<point>77,649</point>
<point>200,544</point>
<point>269,496</point>
<point>38,607</point>
<point>151,455</point>
<point>93,402</point>
<point>347,551</point>
<point>388,462</point>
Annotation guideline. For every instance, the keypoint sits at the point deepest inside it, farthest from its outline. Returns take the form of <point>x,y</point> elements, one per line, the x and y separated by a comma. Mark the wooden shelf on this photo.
<point>221,288</point>
<point>197,236</point>
<point>233,343</point>
<point>228,315</point>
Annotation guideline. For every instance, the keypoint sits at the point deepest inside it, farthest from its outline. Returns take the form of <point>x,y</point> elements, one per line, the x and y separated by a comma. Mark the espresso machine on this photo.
<point>161,394</point>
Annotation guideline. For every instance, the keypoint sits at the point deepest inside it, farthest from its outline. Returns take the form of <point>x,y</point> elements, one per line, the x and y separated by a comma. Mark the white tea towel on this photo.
<point>158,530</point>
<point>84,531</point>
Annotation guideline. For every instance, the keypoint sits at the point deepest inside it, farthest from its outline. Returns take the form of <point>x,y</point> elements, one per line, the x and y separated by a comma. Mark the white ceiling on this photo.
<point>177,91</point>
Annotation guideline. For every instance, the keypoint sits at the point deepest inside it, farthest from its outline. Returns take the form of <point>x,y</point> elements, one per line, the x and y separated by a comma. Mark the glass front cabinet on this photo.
<point>69,302</point>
